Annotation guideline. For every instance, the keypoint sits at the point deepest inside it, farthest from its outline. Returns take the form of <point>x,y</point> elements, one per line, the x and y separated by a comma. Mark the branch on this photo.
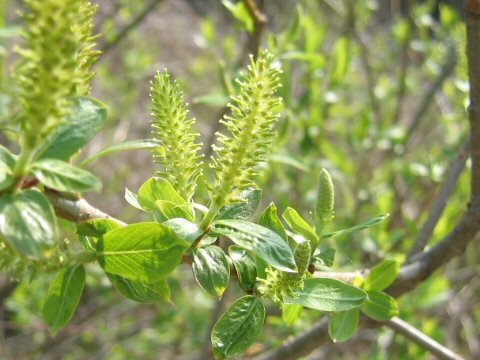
<point>472,10</point>
<point>430,93</point>
<point>260,20</point>
<point>76,210</point>
<point>137,20</point>
<point>421,339</point>
<point>440,203</point>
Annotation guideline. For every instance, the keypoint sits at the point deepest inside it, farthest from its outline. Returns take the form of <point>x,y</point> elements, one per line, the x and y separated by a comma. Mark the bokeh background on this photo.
<point>374,91</point>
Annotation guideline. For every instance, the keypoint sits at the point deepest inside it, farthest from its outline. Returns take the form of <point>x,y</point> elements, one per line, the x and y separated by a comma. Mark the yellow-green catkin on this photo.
<point>55,61</point>
<point>178,152</point>
<point>253,115</point>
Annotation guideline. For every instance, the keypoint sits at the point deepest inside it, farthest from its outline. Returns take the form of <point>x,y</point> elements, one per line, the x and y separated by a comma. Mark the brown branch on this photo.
<point>472,10</point>
<point>421,339</point>
<point>76,209</point>
<point>260,21</point>
<point>429,94</point>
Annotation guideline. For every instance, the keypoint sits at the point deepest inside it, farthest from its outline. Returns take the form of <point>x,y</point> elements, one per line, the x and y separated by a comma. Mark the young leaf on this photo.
<point>85,120</point>
<point>261,241</point>
<point>145,252</point>
<point>62,176</point>
<point>325,257</point>
<point>372,222</point>
<point>239,327</point>
<point>343,325</point>
<point>126,146</point>
<point>291,313</point>
<point>28,223</point>
<point>300,226</point>
<point>96,227</point>
<point>325,201</point>
<point>270,220</point>
<point>211,269</point>
<point>379,306</point>
<point>327,295</point>
<point>185,229</point>
<point>142,292</point>
<point>165,210</point>
<point>132,199</point>
<point>63,297</point>
<point>7,164</point>
<point>155,189</point>
<point>242,210</point>
<point>245,267</point>
<point>382,275</point>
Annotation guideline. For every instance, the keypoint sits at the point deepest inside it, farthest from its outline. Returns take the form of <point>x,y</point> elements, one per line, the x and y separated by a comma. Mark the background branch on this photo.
<point>418,337</point>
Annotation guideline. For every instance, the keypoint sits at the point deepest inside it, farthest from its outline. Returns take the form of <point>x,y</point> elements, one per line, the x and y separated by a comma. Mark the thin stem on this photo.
<point>418,337</point>
<point>137,20</point>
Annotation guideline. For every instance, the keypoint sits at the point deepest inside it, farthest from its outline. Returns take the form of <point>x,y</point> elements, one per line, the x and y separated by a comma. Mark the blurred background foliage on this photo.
<point>374,91</point>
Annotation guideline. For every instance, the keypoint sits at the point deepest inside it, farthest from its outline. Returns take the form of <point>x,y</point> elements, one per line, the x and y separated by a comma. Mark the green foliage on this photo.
<point>63,297</point>
<point>28,224</point>
<point>261,241</point>
<point>142,252</point>
<point>239,327</point>
<point>327,295</point>
<point>343,325</point>
<point>177,151</point>
<point>332,117</point>
<point>211,269</point>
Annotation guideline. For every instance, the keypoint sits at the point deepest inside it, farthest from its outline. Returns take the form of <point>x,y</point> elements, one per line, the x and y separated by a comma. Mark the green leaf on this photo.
<point>6,178</point>
<point>96,227</point>
<point>6,157</point>
<point>85,121</point>
<point>211,269</point>
<point>214,99</point>
<point>372,222</point>
<point>145,252</point>
<point>239,327</point>
<point>244,208</point>
<point>379,306</point>
<point>245,267</point>
<point>28,223</point>
<point>61,176</point>
<point>240,12</point>
<point>126,146</point>
<point>270,220</point>
<point>142,292</point>
<point>341,59</point>
<point>325,201</point>
<point>185,229</point>
<point>132,199</point>
<point>261,241</point>
<point>327,295</point>
<point>165,210</point>
<point>155,189</point>
<point>300,226</point>
<point>291,313</point>
<point>63,297</point>
<point>325,258</point>
<point>7,164</point>
<point>382,275</point>
<point>343,325</point>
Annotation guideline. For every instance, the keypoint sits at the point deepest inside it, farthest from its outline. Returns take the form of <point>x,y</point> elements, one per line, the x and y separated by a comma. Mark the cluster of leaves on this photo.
<point>270,260</point>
